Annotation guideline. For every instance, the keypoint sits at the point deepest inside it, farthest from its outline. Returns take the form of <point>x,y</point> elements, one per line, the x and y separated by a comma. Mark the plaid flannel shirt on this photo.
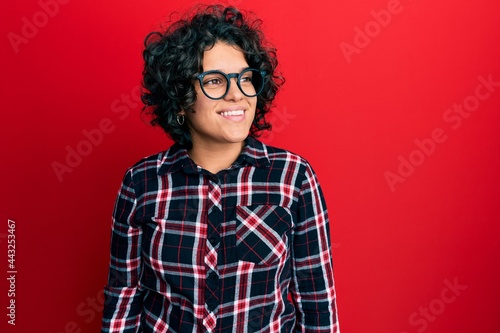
<point>243,250</point>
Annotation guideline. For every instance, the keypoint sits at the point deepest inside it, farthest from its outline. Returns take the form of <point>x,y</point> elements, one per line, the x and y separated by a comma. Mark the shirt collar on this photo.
<point>176,158</point>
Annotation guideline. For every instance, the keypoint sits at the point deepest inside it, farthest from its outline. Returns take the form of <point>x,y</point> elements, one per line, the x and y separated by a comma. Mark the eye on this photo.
<point>212,82</point>
<point>247,78</point>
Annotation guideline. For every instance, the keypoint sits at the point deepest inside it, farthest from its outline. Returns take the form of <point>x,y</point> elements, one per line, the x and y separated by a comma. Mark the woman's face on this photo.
<point>227,120</point>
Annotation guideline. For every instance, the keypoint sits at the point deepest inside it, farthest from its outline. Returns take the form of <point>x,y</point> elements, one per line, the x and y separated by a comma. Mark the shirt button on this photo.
<point>213,241</point>
<point>213,276</point>
<point>211,307</point>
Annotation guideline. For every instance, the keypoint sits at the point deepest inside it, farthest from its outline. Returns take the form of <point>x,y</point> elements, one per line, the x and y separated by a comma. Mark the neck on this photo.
<point>215,158</point>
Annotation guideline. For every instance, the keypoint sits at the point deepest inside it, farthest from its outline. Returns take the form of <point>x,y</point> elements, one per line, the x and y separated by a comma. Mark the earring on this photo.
<point>180,119</point>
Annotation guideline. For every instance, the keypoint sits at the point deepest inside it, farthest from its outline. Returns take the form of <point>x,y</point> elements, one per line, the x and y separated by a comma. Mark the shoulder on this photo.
<point>276,154</point>
<point>144,173</point>
<point>150,162</point>
<point>280,153</point>
<point>153,165</point>
<point>291,162</point>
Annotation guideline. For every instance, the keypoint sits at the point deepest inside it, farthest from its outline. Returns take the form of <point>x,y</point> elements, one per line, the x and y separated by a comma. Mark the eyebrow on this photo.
<point>220,70</point>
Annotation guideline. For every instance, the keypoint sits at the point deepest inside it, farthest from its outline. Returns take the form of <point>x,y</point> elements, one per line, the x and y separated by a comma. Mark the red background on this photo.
<point>354,117</point>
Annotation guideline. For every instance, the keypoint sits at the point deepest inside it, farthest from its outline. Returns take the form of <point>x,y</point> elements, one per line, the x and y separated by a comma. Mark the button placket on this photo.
<point>212,292</point>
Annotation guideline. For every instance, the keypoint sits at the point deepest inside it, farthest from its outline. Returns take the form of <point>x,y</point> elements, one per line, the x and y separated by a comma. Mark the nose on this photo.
<point>234,93</point>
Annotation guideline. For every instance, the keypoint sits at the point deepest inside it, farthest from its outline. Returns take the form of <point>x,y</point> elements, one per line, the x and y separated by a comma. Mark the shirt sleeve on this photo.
<point>123,300</point>
<point>313,288</point>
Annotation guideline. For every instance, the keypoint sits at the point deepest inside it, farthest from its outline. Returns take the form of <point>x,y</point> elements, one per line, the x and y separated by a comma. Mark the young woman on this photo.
<point>220,233</point>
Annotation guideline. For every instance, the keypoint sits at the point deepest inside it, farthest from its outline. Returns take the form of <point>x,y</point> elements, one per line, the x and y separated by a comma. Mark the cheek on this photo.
<point>202,104</point>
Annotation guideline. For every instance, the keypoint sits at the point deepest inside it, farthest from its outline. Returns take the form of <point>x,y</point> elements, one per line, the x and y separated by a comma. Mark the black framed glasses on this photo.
<point>215,84</point>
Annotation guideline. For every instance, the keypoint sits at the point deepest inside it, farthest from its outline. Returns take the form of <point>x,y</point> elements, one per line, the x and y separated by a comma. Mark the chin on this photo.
<point>237,138</point>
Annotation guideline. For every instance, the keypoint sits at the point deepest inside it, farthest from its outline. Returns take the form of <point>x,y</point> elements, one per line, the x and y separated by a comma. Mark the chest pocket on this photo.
<point>262,233</point>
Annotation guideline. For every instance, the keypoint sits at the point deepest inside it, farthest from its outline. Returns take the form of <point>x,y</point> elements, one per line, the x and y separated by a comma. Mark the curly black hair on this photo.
<point>173,58</point>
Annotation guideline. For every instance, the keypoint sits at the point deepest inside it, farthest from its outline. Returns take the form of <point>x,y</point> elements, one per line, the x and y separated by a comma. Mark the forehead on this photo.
<point>224,57</point>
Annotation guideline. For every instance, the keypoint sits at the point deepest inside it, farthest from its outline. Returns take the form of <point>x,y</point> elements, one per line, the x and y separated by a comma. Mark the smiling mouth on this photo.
<point>232,113</point>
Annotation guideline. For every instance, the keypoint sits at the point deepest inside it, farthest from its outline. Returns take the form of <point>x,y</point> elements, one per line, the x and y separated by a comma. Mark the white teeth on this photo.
<point>232,113</point>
